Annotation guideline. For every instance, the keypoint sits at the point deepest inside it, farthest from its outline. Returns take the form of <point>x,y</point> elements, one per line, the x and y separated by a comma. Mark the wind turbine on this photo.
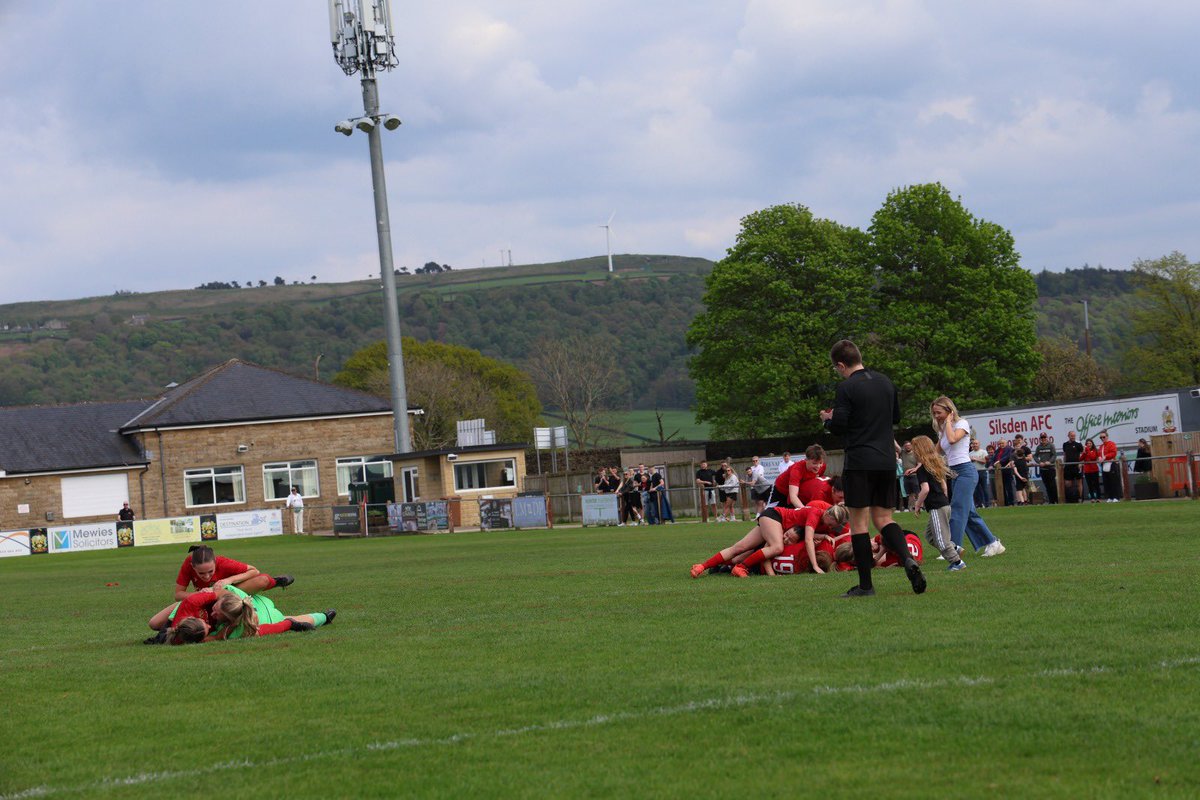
<point>607,239</point>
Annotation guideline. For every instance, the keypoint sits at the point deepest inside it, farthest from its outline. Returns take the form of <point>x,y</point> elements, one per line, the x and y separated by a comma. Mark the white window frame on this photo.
<point>459,488</point>
<point>344,465</point>
<point>239,485</point>
<point>300,465</point>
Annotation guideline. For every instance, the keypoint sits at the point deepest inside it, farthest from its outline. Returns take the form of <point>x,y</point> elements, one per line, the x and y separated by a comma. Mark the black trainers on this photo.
<point>858,591</point>
<point>284,580</point>
<point>299,625</point>
<point>913,570</point>
<point>330,613</point>
<point>158,638</point>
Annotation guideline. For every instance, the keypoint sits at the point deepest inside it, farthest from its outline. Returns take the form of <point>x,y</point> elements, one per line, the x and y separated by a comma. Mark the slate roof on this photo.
<point>237,391</point>
<point>51,438</point>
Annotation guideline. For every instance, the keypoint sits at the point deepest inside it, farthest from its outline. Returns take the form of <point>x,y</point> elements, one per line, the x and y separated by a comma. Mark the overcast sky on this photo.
<point>157,145</point>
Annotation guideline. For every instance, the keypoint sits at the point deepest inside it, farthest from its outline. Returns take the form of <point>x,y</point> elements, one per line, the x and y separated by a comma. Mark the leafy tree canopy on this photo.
<point>450,383</point>
<point>935,297</point>
<point>1168,323</point>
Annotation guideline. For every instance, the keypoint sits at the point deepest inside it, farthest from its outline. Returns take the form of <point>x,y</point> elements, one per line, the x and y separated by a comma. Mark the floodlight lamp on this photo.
<point>345,127</point>
<point>365,124</point>
<point>391,122</point>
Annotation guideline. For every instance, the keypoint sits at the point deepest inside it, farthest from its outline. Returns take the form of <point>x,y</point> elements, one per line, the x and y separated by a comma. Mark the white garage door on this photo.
<point>94,495</point>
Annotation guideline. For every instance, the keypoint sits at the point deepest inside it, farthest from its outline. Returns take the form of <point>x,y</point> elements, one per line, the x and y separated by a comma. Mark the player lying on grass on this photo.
<point>794,558</point>
<point>881,556</point>
<point>203,569</point>
<point>228,614</point>
<point>765,540</point>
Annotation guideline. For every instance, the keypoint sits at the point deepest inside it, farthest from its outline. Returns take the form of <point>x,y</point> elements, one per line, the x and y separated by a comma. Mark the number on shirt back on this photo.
<point>784,565</point>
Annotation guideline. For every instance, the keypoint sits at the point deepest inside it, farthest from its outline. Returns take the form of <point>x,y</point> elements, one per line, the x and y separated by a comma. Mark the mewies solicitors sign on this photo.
<point>1125,420</point>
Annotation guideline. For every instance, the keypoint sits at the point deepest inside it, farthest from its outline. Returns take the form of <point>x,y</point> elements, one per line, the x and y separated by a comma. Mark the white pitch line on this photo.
<point>693,707</point>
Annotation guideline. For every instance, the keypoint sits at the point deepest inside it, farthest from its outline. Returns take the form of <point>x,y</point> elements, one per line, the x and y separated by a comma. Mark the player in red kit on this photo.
<point>205,569</point>
<point>788,488</point>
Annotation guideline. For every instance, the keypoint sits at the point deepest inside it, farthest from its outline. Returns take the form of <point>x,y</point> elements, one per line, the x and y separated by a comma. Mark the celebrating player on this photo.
<point>800,480</point>
<point>765,540</point>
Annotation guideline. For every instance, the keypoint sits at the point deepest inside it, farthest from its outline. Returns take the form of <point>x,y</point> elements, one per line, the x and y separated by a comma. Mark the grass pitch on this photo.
<point>585,663</point>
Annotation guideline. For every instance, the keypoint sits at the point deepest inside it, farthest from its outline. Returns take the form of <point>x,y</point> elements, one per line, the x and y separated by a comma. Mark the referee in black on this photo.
<point>865,411</point>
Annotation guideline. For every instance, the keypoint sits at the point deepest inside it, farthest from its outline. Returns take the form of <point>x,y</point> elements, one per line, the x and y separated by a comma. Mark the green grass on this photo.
<point>576,663</point>
<point>644,423</point>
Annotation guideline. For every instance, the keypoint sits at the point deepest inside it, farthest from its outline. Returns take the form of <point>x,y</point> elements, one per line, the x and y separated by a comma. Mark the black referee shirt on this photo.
<point>866,410</point>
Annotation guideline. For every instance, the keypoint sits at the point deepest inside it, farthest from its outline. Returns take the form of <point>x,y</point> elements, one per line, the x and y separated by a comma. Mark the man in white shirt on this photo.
<point>296,503</point>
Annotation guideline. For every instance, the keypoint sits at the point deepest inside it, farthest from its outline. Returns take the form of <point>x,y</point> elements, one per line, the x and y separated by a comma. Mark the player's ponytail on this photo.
<point>238,611</point>
<point>202,554</point>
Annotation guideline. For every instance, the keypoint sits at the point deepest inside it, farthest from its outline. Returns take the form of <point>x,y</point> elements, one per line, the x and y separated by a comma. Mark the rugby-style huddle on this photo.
<point>226,603</point>
<point>816,524</point>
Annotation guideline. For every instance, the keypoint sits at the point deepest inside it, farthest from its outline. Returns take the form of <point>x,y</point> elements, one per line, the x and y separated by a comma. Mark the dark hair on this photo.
<point>202,554</point>
<point>814,452</point>
<point>835,483</point>
<point>846,352</point>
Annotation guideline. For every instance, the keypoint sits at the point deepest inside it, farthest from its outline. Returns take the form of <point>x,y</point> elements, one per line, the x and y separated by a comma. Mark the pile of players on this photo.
<point>804,527</point>
<point>226,604</point>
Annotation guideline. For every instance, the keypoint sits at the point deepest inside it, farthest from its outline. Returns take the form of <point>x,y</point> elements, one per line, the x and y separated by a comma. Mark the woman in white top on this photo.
<point>955,441</point>
<point>979,456</point>
<point>729,494</point>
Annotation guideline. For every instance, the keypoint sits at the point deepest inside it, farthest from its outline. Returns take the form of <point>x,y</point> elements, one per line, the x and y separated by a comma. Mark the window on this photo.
<point>278,479</point>
<point>485,475</point>
<point>214,486</point>
<point>359,469</point>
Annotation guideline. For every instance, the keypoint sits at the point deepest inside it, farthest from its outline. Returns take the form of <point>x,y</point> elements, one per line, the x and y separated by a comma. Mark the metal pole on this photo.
<point>383,228</point>
<point>1087,329</point>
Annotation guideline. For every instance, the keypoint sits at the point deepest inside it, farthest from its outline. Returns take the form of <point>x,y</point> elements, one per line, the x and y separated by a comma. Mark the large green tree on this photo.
<point>1168,323</point>
<point>450,383</point>
<point>953,308</point>
<point>935,297</point>
<point>790,286</point>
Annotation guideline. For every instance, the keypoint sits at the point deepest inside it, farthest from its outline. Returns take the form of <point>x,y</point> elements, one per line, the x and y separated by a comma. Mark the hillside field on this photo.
<point>586,663</point>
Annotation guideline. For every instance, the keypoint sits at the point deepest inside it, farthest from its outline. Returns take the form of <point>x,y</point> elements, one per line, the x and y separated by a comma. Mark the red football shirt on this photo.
<point>792,561</point>
<point>225,568</point>
<point>797,474</point>
<point>915,549</point>
<point>196,604</point>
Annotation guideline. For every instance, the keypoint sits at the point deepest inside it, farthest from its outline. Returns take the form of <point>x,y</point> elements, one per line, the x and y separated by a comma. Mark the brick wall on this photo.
<point>179,450</point>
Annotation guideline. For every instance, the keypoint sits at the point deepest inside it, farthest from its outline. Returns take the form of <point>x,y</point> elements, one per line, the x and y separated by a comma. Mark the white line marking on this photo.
<point>695,706</point>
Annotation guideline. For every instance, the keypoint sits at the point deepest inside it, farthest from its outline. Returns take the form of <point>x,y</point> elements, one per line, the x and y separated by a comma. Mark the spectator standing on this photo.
<point>1021,455</point>
<point>631,500</point>
<point>659,500</point>
<point>908,462</point>
<point>979,457</point>
<point>1141,465</point>
<point>125,514</point>
<point>1091,470</point>
<point>1110,469</point>
<point>758,485</point>
<point>1047,463</point>
<point>1004,464</point>
<point>1072,468</point>
<point>706,480</point>
<point>728,493</point>
<point>296,503</point>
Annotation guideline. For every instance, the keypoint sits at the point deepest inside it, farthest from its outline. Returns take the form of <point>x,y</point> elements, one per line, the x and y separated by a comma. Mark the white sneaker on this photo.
<point>620,524</point>
<point>996,548</point>
<point>941,558</point>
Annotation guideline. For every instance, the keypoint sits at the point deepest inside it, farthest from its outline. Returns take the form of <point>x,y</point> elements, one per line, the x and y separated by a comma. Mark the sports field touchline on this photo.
<point>695,706</point>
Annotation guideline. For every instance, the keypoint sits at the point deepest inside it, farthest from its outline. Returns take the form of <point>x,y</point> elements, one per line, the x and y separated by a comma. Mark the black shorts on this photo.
<point>867,488</point>
<point>776,499</point>
<point>771,513</point>
<point>911,484</point>
<point>763,495</point>
<point>633,499</point>
<point>724,495</point>
<point>1071,472</point>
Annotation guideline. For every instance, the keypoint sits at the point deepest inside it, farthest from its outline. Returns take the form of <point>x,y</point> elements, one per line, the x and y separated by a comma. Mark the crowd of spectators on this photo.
<point>1091,470</point>
<point>641,492</point>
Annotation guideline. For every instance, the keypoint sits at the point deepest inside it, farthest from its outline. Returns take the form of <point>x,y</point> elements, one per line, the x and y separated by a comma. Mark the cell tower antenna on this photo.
<point>361,34</point>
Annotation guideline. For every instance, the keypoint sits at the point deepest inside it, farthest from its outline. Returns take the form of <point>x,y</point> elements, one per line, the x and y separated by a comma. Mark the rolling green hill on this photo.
<point>130,345</point>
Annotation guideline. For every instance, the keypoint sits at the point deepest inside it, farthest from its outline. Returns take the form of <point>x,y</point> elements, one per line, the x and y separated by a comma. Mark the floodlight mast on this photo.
<point>361,34</point>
